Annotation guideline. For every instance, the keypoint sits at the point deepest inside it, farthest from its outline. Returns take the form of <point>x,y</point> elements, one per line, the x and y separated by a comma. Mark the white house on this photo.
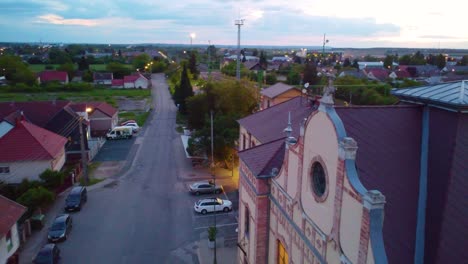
<point>136,81</point>
<point>9,238</point>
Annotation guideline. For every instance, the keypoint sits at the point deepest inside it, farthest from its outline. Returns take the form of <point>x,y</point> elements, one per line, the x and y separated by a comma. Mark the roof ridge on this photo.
<point>263,144</point>
<point>41,143</point>
<point>273,106</point>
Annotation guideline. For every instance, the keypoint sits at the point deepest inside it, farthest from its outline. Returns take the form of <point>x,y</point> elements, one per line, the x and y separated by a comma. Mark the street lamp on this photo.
<point>192,36</point>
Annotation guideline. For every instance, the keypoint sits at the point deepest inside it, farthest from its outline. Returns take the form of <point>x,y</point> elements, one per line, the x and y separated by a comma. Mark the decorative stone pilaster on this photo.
<point>347,149</point>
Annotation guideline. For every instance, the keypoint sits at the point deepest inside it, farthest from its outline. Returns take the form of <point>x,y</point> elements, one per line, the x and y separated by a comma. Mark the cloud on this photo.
<point>58,20</point>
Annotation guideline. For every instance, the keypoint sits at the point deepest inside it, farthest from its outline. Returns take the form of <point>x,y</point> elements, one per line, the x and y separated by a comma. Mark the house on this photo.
<point>277,93</point>
<point>77,76</point>
<point>3,81</point>
<point>376,74</point>
<point>103,78</point>
<point>9,236</point>
<point>56,116</point>
<point>136,81</point>
<point>53,76</point>
<point>401,74</point>
<point>28,150</point>
<point>253,66</point>
<point>117,83</point>
<point>335,184</point>
<point>102,117</point>
<point>354,73</point>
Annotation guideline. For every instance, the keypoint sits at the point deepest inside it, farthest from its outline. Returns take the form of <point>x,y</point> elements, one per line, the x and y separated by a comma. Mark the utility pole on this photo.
<point>325,41</point>
<point>214,183</point>
<point>238,23</point>
<point>84,158</point>
<point>209,59</point>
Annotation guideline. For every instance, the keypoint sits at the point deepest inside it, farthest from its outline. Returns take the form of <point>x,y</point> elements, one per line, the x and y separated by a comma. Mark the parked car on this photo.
<point>200,187</point>
<point>76,198</point>
<point>60,228</point>
<point>212,204</point>
<point>120,132</point>
<point>134,126</point>
<point>128,121</point>
<point>49,254</point>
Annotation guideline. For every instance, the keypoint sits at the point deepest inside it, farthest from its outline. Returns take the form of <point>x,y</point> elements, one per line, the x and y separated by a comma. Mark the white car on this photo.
<point>134,126</point>
<point>211,204</point>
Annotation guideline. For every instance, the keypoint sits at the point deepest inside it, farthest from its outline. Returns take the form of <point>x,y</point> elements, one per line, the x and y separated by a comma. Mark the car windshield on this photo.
<point>58,226</point>
<point>43,257</point>
<point>73,198</point>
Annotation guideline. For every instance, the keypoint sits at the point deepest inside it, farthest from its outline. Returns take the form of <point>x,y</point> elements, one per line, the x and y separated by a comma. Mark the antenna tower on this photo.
<point>238,23</point>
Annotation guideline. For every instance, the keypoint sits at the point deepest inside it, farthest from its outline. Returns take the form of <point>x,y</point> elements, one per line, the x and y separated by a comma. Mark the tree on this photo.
<point>192,65</point>
<point>310,74</point>
<point>271,78</point>
<point>118,69</point>
<point>440,61</point>
<point>355,64</point>
<point>15,71</point>
<point>67,67</point>
<point>405,60</point>
<point>263,59</point>
<point>36,197</point>
<point>83,64</point>
<point>141,60</point>
<point>388,61</point>
<point>57,56</point>
<point>346,62</point>
<point>463,61</point>
<point>183,91</point>
<point>52,179</point>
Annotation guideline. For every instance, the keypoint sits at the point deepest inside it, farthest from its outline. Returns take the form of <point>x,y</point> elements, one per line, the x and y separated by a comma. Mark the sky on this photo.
<point>346,23</point>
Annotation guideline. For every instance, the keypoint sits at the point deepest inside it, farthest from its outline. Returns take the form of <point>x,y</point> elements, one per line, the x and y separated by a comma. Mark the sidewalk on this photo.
<point>224,255</point>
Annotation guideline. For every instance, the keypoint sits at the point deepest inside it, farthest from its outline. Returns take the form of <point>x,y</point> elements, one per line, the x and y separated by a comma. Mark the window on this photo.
<point>282,254</point>
<point>319,182</point>
<point>9,241</point>
<point>243,141</point>
<point>246,221</point>
<point>4,170</point>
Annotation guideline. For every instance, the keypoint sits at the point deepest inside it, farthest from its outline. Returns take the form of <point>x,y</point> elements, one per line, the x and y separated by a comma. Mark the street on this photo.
<point>146,214</point>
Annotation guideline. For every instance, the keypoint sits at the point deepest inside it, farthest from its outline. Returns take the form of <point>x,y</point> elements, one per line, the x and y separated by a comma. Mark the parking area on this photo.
<point>115,150</point>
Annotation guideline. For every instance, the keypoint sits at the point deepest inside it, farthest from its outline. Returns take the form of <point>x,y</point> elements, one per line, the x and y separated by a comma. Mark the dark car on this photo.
<point>76,198</point>
<point>49,254</point>
<point>60,228</point>
<point>198,188</point>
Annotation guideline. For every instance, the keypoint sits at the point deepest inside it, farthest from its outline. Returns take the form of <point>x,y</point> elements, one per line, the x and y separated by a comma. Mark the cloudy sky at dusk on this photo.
<point>359,23</point>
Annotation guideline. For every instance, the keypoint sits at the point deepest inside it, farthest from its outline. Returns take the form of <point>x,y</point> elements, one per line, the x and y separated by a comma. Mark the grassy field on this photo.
<point>92,67</point>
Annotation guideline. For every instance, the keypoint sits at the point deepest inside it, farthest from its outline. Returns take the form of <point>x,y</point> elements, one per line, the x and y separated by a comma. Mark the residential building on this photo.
<point>102,117</point>
<point>277,93</point>
<point>28,150</point>
<point>11,212</point>
<point>103,78</point>
<point>117,83</point>
<point>360,184</point>
<point>136,81</point>
<point>53,76</point>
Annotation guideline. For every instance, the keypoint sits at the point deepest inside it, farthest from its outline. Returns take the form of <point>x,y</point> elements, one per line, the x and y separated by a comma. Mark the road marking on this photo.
<point>206,227</point>
<point>211,214</point>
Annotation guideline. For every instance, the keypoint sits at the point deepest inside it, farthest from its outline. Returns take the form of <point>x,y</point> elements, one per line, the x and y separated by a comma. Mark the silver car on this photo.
<point>212,204</point>
<point>201,187</point>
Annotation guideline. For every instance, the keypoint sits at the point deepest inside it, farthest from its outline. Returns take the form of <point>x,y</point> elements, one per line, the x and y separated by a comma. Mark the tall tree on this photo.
<point>192,65</point>
<point>15,71</point>
<point>263,59</point>
<point>83,64</point>
<point>118,69</point>
<point>346,62</point>
<point>388,62</point>
<point>141,60</point>
<point>440,61</point>
<point>183,91</point>
<point>355,64</point>
<point>69,68</point>
<point>310,74</point>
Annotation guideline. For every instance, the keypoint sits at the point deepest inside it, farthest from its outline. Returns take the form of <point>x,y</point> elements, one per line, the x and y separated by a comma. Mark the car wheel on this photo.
<point>204,211</point>
<point>226,209</point>
<point>197,193</point>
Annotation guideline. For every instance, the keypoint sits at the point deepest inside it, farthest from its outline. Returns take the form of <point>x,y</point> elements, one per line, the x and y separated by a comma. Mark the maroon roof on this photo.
<point>380,74</point>
<point>131,78</point>
<point>388,159</point>
<point>276,89</point>
<point>78,107</point>
<point>104,107</point>
<point>11,212</point>
<point>403,74</point>
<point>37,112</point>
<point>118,82</point>
<point>28,142</point>
<point>47,76</point>
<point>260,124</point>
<point>263,158</point>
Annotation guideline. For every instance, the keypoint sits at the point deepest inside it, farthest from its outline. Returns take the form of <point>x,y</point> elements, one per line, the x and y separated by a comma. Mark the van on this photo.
<point>76,198</point>
<point>120,132</point>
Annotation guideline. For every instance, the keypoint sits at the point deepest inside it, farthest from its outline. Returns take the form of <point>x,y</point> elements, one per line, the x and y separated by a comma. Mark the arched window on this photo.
<point>319,182</point>
<point>283,257</point>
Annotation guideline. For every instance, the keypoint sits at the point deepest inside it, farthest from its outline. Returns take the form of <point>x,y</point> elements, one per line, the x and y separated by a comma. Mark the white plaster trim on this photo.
<point>374,199</point>
<point>319,231</point>
<point>279,187</point>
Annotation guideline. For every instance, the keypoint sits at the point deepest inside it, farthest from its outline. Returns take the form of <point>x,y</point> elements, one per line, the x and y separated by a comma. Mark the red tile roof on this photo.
<point>38,112</point>
<point>28,142</point>
<point>388,158</point>
<point>276,89</point>
<point>403,74</point>
<point>263,158</point>
<point>104,107</point>
<point>131,78</point>
<point>118,82</point>
<point>47,76</point>
<point>78,107</point>
<point>380,74</point>
<point>10,213</point>
<point>268,125</point>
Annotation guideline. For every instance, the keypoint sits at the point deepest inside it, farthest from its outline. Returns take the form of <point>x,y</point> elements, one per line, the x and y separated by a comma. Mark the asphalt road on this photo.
<point>145,215</point>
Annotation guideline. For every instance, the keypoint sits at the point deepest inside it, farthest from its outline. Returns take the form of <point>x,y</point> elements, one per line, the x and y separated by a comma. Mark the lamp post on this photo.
<point>192,36</point>
<point>214,183</point>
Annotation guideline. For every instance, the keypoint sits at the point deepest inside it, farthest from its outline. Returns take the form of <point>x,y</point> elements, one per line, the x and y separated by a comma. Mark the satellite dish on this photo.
<point>306,85</point>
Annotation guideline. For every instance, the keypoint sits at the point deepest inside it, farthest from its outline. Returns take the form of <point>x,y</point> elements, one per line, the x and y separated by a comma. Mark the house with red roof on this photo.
<point>102,117</point>
<point>360,184</point>
<point>277,93</point>
<point>28,150</point>
<point>11,212</point>
<point>53,76</point>
<point>117,83</point>
<point>136,81</point>
<point>376,74</point>
<point>103,78</point>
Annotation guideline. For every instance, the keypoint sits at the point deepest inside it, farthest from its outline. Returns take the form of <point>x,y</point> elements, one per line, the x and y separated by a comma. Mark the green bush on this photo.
<point>52,179</point>
<point>212,233</point>
<point>36,197</point>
